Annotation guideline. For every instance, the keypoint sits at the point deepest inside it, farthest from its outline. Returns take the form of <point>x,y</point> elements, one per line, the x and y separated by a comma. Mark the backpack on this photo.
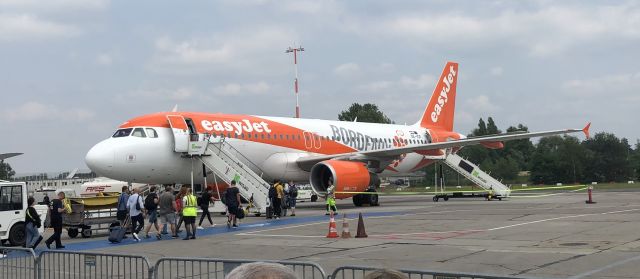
<point>293,191</point>
<point>223,197</point>
<point>272,192</point>
<point>200,201</point>
<point>138,203</point>
<point>149,202</point>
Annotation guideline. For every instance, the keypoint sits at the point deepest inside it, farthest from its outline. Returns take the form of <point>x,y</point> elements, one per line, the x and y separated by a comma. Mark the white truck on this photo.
<point>13,205</point>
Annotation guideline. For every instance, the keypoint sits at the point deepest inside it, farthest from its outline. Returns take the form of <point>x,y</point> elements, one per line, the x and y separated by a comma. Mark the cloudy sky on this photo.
<point>72,70</point>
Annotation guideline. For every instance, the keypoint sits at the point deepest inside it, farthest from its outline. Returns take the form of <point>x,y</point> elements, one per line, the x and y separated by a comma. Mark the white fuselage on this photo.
<point>273,154</point>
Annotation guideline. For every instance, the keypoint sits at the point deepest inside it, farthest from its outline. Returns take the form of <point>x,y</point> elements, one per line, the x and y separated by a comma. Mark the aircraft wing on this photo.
<point>8,155</point>
<point>384,154</point>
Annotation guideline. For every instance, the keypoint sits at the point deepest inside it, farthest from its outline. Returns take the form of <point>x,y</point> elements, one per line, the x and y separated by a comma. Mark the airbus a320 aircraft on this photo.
<point>350,154</point>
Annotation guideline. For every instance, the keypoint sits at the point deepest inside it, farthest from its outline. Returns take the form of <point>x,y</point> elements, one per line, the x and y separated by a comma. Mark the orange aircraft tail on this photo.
<point>440,111</point>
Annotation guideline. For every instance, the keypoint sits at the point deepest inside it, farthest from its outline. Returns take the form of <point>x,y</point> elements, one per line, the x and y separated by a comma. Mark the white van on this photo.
<point>13,205</point>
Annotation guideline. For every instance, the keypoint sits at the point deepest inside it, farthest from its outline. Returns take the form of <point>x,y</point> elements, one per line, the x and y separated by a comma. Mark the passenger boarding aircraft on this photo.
<point>351,154</point>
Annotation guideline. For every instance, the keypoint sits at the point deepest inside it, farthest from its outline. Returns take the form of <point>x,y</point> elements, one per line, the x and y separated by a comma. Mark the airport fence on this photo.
<point>73,264</point>
<point>359,272</point>
<point>17,263</point>
<point>170,268</point>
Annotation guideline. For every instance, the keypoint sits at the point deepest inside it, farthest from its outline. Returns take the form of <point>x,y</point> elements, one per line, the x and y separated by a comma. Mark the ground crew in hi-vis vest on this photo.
<point>189,214</point>
<point>331,199</point>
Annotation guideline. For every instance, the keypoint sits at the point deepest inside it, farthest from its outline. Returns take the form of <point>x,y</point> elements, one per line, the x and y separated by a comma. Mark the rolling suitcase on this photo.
<point>117,231</point>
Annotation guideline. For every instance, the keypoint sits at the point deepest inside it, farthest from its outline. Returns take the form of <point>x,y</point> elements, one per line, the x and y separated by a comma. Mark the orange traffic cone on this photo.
<point>333,231</point>
<point>361,232</point>
<point>345,227</point>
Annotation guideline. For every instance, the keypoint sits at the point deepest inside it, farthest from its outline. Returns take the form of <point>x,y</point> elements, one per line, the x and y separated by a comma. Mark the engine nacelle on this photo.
<point>347,176</point>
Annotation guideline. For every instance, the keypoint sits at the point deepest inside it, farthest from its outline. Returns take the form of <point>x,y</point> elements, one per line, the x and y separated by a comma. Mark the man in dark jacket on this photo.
<point>57,209</point>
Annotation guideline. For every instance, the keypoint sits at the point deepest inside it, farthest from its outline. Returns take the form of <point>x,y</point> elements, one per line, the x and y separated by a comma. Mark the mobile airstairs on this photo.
<point>226,163</point>
<point>495,189</point>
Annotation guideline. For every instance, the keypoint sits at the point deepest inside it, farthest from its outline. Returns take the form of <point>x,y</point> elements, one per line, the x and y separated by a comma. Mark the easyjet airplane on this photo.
<point>352,154</point>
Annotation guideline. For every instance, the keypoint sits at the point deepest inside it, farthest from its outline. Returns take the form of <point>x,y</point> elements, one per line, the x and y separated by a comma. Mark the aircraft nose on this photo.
<point>100,158</point>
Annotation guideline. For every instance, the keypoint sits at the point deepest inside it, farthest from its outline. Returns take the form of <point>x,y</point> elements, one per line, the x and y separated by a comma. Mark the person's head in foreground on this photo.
<point>386,274</point>
<point>261,270</point>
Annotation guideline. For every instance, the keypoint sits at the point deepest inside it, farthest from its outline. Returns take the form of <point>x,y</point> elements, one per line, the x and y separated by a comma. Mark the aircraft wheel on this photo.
<point>314,198</point>
<point>446,198</point>
<point>435,199</point>
<point>373,199</point>
<point>358,200</point>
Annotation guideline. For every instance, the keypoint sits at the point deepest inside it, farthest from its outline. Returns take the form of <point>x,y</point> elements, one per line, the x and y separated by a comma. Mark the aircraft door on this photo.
<point>180,133</point>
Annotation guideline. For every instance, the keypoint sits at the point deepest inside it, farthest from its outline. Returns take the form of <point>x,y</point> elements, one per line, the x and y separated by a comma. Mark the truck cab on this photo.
<point>13,204</point>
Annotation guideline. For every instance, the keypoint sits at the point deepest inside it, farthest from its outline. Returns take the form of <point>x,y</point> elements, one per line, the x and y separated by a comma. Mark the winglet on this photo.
<point>585,130</point>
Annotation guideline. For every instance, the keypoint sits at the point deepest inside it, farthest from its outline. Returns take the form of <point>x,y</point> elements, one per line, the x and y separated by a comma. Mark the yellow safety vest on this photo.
<point>189,209</point>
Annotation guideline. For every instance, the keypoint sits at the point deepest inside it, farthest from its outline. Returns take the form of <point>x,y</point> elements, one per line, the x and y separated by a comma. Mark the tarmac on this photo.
<point>542,235</point>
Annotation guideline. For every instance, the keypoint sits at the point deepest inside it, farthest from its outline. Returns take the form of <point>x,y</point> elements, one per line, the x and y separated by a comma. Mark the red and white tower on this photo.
<point>295,67</point>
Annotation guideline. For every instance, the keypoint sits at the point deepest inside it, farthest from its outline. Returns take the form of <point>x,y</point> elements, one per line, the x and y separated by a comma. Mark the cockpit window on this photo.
<point>139,132</point>
<point>152,133</point>
<point>122,133</point>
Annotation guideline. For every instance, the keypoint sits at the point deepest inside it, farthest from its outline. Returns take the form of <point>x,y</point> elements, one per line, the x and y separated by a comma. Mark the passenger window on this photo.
<point>122,133</point>
<point>152,133</point>
<point>11,198</point>
<point>139,132</point>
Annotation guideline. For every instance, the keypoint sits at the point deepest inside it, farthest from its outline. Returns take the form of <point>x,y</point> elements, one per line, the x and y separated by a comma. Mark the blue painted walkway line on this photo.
<point>219,229</point>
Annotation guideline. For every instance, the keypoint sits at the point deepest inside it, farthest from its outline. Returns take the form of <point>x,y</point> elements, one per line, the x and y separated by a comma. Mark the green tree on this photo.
<point>545,160</point>
<point>364,113</point>
<point>492,129</point>
<point>501,163</point>
<point>481,130</point>
<point>520,150</point>
<point>608,158</point>
<point>558,159</point>
<point>6,172</point>
<point>635,161</point>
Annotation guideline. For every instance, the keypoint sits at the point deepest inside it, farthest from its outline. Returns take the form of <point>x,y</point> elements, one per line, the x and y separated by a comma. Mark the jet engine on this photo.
<point>347,176</point>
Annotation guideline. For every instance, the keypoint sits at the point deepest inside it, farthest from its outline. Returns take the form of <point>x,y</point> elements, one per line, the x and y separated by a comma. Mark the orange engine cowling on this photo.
<point>347,176</point>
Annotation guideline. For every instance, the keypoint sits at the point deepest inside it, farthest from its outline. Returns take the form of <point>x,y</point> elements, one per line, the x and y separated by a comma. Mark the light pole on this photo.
<point>295,67</point>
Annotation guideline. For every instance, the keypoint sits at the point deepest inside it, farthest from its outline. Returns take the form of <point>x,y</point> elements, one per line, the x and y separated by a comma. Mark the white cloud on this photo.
<point>54,5</point>
<point>158,94</point>
<point>547,30</point>
<point>384,68</point>
<point>616,87</point>
<point>104,59</point>
<point>496,71</point>
<point>192,52</point>
<point>421,82</point>
<point>235,89</point>
<point>223,52</point>
<point>481,103</point>
<point>405,83</point>
<point>35,111</point>
<point>348,70</point>
<point>29,27</point>
<point>376,86</point>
